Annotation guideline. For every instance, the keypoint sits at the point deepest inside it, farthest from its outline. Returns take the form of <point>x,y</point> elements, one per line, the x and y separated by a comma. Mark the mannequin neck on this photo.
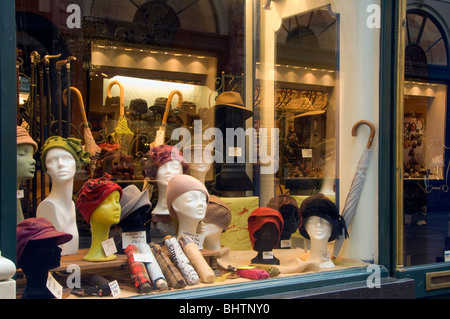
<point>319,251</point>
<point>187,225</point>
<point>161,205</point>
<point>36,287</point>
<point>62,191</point>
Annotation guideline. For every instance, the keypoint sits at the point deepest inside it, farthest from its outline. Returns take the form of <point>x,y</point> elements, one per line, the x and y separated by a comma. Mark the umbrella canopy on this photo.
<point>357,184</point>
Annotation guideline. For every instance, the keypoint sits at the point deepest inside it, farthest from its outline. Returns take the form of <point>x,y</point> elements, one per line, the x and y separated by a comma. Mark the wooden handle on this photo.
<point>372,131</point>
<point>80,102</point>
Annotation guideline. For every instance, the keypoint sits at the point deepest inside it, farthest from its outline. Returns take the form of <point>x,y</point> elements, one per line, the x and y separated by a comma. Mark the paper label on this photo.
<point>115,289</point>
<point>55,288</point>
<point>196,238</point>
<point>235,151</point>
<point>142,258</point>
<point>285,243</point>
<point>133,238</point>
<point>307,153</point>
<point>20,193</point>
<point>109,247</point>
<point>267,254</point>
<point>447,255</point>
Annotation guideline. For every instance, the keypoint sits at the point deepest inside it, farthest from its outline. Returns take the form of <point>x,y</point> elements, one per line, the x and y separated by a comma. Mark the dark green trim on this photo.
<point>386,132</point>
<point>267,287</point>
<point>8,115</point>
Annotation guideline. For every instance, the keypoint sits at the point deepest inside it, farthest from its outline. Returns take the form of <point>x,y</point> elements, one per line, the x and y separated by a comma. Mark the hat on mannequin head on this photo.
<point>160,155</point>
<point>261,216</point>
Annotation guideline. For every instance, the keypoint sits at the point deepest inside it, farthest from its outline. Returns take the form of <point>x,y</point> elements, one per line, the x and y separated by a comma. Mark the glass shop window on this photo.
<point>425,143</point>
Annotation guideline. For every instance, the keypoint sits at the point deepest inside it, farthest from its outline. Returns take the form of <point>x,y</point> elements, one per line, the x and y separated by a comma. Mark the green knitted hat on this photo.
<point>70,144</point>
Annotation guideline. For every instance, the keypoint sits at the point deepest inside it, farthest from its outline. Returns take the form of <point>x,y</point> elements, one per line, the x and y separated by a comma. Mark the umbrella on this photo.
<point>357,184</point>
<point>161,133</point>
<point>89,142</point>
<point>122,135</point>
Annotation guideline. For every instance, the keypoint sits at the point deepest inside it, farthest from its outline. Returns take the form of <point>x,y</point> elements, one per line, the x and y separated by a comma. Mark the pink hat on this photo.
<point>24,138</point>
<point>180,184</point>
<point>93,193</point>
<point>35,229</point>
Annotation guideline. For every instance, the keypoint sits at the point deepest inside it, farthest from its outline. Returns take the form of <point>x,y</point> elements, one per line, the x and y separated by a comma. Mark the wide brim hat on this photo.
<point>232,99</point>
<point>263,215</point>
<point>321,206</point>
<point>179,185</point>
<point>133,199</point>
<point>23,137</point>
<point>37,228</point>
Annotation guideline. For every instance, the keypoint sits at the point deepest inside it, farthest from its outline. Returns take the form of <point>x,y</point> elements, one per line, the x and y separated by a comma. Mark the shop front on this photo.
<point>224,149</point>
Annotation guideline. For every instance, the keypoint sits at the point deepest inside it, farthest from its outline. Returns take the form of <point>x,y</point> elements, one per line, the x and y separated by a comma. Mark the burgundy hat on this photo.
<point>162,154</point>
<point>35,229</point>
<point>180,184</point>
<point>93,193</point>
<point>263,215</point>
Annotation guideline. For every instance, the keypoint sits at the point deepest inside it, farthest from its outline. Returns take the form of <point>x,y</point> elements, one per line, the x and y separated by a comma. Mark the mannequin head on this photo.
<point>321,206</point>
<point>160,155</point>
<point>264,226</point>
<point>216,221</point>
<point>26,147</point>
<point>288,208</point>
<point>318,228</point>
<point>26,164</point>
<point>61,166</point>
<point>108,212</point>
<point>71,145</point>
<point>135,205</point>
<point>96,193</point>
<point>187,199</point>
<point>167,171</point>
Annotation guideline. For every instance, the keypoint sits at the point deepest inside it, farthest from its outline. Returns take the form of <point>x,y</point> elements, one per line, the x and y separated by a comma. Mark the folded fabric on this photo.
<point>252,273</point>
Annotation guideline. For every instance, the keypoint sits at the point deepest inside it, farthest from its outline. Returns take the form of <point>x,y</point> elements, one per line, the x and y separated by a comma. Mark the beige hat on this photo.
<point>180,184</point>
<point>217,213</point>
<point>24,138</point>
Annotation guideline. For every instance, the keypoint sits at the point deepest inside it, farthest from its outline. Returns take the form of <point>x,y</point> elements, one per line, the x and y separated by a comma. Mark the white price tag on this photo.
<point>20,193</point>
<point>109,247</point>
<point>235,151</point>
<point>447,255</point>
<point>196,238</point>
<point>307,153</point>
<point>55,288</point>
<point>115,289</point>
<point>142,258</point>
<point>286,243</point>
<point>133,238</point>
<point>267,254</point>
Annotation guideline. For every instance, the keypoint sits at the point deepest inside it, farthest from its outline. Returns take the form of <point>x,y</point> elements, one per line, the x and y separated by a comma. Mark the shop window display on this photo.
<point>169,119</point>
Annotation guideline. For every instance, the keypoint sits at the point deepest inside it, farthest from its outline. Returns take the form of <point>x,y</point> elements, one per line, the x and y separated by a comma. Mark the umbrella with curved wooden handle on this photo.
<point>108,93</point>
<point>352,199</point>
<point>122,135</point>
<point>160,134</point>
<point>89,142</point>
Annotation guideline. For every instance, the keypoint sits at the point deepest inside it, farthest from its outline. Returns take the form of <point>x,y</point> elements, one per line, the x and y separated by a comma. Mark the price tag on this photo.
<point>109,247</point>
<point>235,151</point>
<point>20,193</point>
<point>447,255</point>
<point>142,258</point>
<point>285,243</point>
<point>267,254</point>
<point>196,238</point>
<point>114,287</point>
<point>307,153</point>
<point>133,238</point>
<point>55,288</point>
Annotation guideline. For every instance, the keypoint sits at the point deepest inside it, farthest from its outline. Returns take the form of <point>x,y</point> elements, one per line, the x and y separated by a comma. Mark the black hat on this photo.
<point>321,206</point>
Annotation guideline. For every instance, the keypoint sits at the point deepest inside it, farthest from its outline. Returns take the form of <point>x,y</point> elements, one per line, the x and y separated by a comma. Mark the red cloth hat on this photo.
<point>162,154</point>
<point>35,229</point>
<point>263,215</point>
<point>93,193</point>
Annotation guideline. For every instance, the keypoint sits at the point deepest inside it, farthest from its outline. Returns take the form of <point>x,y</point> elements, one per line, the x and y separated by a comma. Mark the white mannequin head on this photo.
<point>190,208</point>
<point>167,171</point>
<point>318,228</point>
<point>61,166</point>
